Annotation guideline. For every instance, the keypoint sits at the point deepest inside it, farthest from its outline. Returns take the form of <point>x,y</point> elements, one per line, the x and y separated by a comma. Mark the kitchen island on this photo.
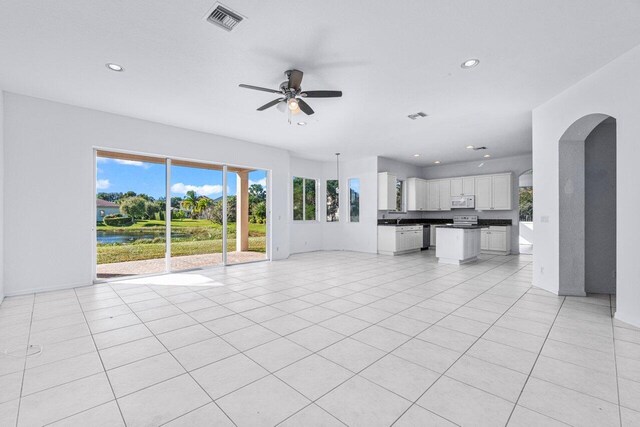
<point>457,244</point>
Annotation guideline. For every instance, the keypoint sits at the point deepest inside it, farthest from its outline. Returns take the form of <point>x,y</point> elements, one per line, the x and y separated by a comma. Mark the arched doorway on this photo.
<point>587,224</point>
<point>525,212</point>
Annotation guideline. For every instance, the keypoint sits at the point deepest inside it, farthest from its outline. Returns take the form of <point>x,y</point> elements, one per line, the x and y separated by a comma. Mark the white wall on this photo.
<point>612,90</point>
<point>49,158</point>
<point>342,235</point>
<point>306,236</point>
<point>359,236</point>
<point>1,195</point>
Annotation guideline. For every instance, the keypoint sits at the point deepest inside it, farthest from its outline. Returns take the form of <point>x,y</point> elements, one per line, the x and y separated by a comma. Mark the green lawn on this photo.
<point>204,237</point>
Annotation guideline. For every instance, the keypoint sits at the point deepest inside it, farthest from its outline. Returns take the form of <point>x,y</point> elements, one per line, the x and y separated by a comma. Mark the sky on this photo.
<point>120,176</point>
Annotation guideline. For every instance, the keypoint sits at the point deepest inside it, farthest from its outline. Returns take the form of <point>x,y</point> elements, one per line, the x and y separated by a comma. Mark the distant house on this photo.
<point>104,208</point>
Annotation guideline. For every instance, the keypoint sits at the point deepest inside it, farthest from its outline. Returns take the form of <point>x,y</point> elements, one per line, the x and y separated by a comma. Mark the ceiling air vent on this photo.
<point>416,115</point>
<point>224,18</point>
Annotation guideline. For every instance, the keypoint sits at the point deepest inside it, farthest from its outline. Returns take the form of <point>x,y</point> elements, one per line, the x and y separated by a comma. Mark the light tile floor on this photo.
<point>321,339</point>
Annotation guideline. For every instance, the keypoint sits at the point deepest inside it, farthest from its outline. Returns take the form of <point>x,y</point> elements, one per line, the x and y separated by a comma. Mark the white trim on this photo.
<point>94,237</point>
<point>167,216</point>
<point>224,214</point>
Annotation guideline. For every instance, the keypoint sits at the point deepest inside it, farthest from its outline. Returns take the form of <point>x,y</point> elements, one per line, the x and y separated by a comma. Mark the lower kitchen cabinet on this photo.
<point>397,240</point>
<point>496,240</point>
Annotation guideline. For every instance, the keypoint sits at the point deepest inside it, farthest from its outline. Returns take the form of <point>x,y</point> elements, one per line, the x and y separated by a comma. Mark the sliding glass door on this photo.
<point>130,224</point>
<point>156,215</point>
<point>196,215</point>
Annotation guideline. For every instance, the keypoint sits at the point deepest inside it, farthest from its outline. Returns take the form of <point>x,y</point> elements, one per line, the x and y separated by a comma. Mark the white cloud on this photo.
<point>102,184</point>
<point>201,190</point>
<point>262,182</point>
<point>132,163</point>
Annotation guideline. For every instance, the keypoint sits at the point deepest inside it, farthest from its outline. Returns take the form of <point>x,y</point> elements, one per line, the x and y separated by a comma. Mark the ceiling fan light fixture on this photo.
<point>114,67</point>
<point>470,63</point>
<point>293,105</point>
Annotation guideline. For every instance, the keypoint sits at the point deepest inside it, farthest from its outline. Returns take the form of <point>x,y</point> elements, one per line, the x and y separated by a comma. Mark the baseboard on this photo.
<point>633,321</point>
<point>48,289</point>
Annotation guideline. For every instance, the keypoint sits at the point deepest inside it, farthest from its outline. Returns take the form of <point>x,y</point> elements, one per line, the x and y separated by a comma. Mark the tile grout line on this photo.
<point>26,357</point>
<point>469,347</point>
<point>534,365</point>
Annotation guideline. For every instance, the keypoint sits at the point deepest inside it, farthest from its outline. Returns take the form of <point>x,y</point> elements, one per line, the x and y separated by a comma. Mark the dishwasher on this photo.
<point>426,236</point>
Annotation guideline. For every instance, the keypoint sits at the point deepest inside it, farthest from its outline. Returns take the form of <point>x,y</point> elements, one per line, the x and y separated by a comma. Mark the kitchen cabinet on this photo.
<point>444,187</point>
<point>465,186</point>
<point>439,195</point>
<point>496,240</point>
<point>416,194</point>
<point>458,245</point>
<point>387,191</point>
<point>398,240</point>
<point>493,192</point>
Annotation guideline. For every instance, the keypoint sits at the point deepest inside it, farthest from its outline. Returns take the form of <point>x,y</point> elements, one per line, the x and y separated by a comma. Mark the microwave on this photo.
<point>463,202</point>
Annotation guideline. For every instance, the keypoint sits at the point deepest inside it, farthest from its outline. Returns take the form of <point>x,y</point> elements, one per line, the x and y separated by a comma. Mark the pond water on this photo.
<point>129,237</point>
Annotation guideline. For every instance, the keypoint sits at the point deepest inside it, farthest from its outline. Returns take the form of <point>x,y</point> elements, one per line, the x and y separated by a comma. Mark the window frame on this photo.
<point>304,197</point>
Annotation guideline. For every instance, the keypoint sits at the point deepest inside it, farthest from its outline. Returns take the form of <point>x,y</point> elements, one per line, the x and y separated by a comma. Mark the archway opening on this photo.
<point>587,228</point>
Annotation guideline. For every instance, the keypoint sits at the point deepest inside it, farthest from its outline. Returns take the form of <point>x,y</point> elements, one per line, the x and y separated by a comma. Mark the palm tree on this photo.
<point>190,202</point>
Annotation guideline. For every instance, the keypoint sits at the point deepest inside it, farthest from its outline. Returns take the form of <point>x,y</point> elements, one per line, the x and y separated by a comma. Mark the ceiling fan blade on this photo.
<point>270,104</point>
<point>263,89</point>
<point>322,94</point>
<point>295,79</point>
<point>304,107</point>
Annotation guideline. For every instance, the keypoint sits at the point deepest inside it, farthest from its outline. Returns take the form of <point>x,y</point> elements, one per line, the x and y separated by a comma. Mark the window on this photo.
<point>304,199</point>
<point>399,196</point>
<point>354,200</point>
<point>333,201</point>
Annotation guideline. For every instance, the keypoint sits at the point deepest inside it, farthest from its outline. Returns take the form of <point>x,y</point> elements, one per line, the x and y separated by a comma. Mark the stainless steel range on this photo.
<point>465,220</point>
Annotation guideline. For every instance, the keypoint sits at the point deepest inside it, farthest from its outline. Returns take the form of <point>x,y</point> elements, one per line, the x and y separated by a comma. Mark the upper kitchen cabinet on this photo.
<point>387,191</point>
<point>463,186</point>
<point>439,195</point>
<point>417,194</point>
<point>493,192</point>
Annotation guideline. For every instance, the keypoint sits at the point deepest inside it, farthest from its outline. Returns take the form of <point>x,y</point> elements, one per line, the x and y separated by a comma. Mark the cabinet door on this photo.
<point>502,192</point>
<point>386,191</point>
<point>423,194</point>
<point>483,192</point>
<point>413,202</point>
<point>468,186</point>
<point>433,203</point>
<point>456,187</point>
<point>445,194</point>
<point>484,240</point>
<point>497,241</point>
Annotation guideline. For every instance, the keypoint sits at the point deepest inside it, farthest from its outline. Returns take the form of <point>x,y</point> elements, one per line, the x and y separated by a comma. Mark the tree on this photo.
<point>151,208</point>
<point>257,194</point>
<point>214,211</point>
<point>526,203</point>
<point>135,207</point>
<point>190,202</point>
<point>203,203</point>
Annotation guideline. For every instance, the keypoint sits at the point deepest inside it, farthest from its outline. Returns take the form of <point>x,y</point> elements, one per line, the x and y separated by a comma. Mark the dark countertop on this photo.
<point>463,227</point>
<point>442,221</point>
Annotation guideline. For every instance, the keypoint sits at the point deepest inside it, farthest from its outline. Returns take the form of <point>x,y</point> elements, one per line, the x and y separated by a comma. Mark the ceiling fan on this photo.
<point>291,94</point>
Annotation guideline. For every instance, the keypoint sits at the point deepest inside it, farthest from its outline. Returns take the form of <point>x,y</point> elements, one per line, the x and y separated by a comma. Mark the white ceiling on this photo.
<point>390,58</point>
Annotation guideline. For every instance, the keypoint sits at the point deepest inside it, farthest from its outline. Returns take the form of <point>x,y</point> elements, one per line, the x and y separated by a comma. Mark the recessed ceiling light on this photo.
<point>416,155</point>
<point>302,123</point>
<point>487,156</point>
<point>469,147</point>
<point>470,63</point>
<point>437,162</point>
<point>114,67</point>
